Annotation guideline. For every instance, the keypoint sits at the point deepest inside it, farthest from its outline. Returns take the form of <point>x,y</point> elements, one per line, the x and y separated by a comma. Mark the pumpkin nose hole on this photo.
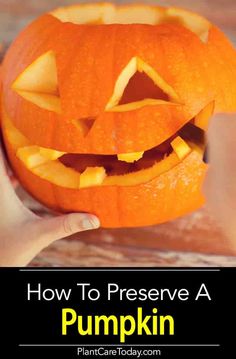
<point>141,87</point>
<point>85,124</point>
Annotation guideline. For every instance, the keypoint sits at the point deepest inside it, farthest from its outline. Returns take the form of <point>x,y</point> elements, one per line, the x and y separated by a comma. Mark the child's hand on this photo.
<point>220,184</point>
<point>23,234</point>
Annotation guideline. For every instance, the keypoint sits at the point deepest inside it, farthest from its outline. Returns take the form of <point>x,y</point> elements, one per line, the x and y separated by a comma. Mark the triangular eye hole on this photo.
<point>139,85</point>
<point>38,83</point>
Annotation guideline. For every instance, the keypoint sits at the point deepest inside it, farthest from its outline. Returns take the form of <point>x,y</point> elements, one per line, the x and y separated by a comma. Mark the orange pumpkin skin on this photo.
<point>87,75</point>
<point>94,92</point>
<point>166,197</point>
<point>175,52</point>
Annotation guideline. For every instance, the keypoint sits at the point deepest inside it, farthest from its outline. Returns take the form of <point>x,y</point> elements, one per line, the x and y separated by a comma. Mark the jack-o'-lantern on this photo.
<point>104,109</point>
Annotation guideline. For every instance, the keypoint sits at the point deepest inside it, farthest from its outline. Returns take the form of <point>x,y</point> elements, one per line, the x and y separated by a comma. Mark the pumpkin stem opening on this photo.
<point>105,13</point>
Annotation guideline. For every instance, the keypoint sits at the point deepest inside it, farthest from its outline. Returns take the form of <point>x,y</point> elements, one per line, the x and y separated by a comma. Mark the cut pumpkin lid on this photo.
<point>106,13</point>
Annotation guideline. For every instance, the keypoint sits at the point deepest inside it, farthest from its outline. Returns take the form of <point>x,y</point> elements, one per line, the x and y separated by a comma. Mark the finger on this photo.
<point>13,180</point>
<point>3,168</point>
<point>11,208</point>
<point>38,234</point>
<point>51,229</point>
<point>7,178</point>
<point>220,184</point>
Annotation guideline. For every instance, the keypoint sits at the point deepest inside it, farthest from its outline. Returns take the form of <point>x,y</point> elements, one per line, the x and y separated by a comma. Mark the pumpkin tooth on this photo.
<point>202,119</point>
<point>30,156</point>
<point>130,157</point>
<point>180,147</point>
<point>56,173</point>
<point>34,156</point>
<point>50,154</point>
<point>92,176</point>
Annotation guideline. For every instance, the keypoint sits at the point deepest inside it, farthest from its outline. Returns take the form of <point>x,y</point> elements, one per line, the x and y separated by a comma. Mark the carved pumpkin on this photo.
<point>104,109</point>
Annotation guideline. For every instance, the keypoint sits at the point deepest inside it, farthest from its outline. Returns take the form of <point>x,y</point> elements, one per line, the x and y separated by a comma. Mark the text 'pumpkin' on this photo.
<point>104,109</point>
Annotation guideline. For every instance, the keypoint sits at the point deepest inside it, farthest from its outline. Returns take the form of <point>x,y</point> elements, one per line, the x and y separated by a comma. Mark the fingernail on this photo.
<point>90,222</point>
<point>205,155</point>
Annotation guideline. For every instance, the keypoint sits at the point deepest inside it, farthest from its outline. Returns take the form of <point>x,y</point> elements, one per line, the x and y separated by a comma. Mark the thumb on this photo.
<point>52,229</point>
<point>34,236</point>
<point>220,184</point>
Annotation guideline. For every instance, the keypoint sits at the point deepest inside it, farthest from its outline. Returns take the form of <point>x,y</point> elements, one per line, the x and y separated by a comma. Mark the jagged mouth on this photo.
<point>78,171</point>
<point>191,135</point>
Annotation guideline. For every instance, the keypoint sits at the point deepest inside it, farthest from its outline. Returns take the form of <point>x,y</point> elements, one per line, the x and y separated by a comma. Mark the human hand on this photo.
<point>220,184</point>
<point>23,234</point>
